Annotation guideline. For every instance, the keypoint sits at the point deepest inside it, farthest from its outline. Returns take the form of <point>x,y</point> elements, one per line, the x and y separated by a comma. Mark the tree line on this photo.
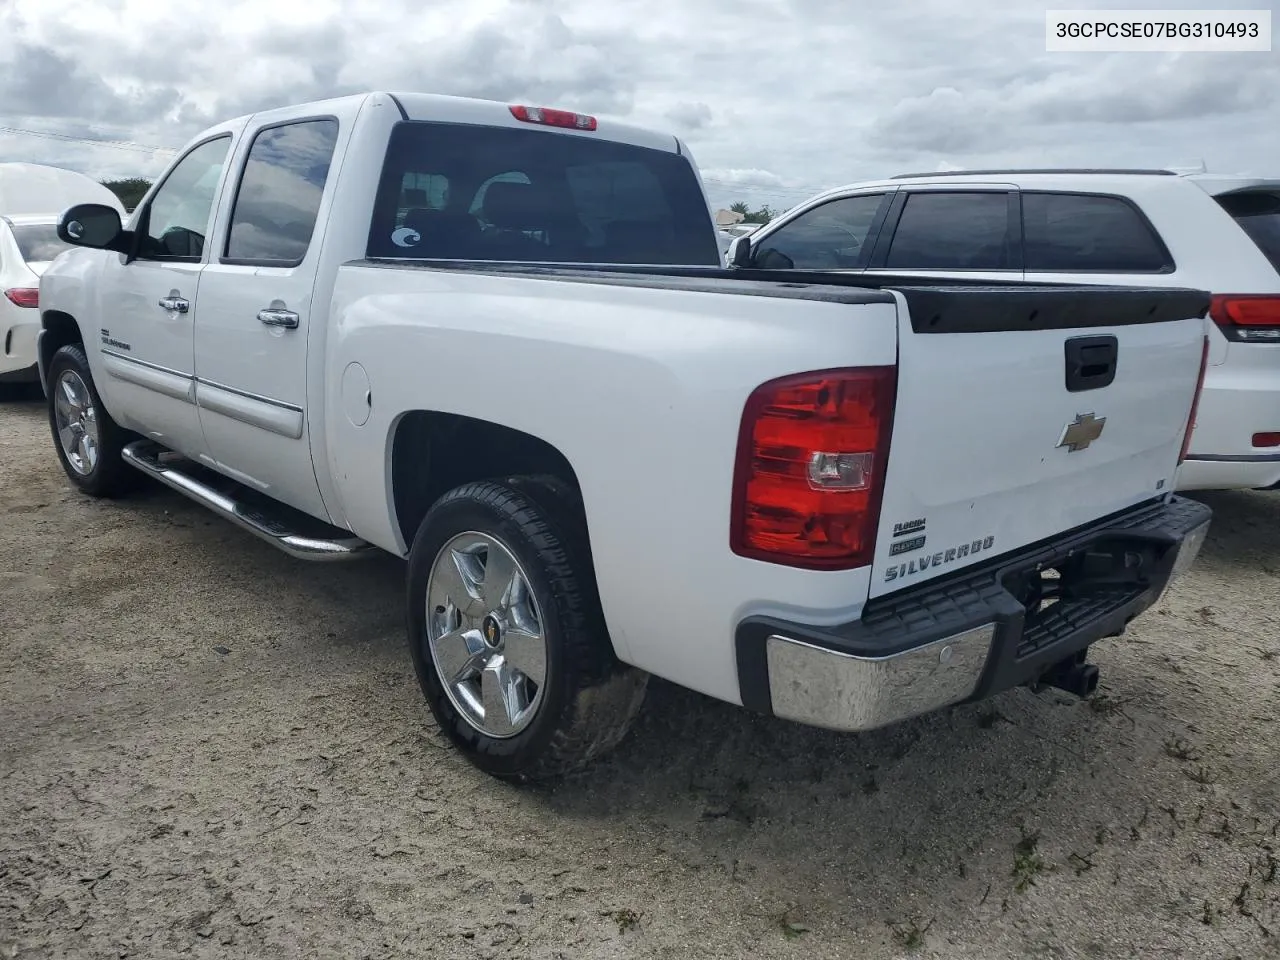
<point>763,215</point>
<point>130,190</point>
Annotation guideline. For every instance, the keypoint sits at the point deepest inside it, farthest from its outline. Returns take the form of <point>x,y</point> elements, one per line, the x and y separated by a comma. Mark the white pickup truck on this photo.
<point>497,340</point>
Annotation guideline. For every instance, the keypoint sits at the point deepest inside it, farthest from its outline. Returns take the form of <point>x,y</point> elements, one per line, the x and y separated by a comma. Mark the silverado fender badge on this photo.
<point>1081,432</point>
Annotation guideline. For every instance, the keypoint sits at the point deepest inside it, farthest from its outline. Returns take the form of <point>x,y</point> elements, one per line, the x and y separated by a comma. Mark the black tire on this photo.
<point>589,698</point>
<point>110,475</point>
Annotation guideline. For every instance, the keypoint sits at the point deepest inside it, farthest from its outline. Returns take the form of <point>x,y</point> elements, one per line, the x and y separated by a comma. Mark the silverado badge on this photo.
<point>1081,432</point>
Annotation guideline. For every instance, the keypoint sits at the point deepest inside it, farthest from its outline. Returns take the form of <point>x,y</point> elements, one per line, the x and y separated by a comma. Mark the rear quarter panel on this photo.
<point>642,390</point>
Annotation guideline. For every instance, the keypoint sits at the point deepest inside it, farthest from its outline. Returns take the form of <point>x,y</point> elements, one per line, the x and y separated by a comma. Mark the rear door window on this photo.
<point>1258,213</point>
<point>1088,233</point>
<point>954,231</point>
<point>832,236</point>
<point>279,195</point>
<point>469,192</point>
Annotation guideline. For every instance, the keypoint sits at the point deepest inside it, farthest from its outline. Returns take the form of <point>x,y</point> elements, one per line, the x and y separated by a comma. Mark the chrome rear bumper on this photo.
<point>840,691</point>
<point>972,635</point>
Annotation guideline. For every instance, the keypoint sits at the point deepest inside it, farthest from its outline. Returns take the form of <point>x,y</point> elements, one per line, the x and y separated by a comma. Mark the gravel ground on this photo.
<point>212,750</point>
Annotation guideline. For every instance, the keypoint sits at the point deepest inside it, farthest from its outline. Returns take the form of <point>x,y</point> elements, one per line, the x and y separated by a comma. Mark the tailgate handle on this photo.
<point>1091,362</point>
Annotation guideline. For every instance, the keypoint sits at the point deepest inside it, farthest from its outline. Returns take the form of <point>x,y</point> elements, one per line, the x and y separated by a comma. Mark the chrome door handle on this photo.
<point>278,318</point>
<point>175,304</point>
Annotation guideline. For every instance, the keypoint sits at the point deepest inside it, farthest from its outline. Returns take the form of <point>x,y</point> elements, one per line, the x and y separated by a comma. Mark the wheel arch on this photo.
<point>432,452</point>
<point>57,330</point>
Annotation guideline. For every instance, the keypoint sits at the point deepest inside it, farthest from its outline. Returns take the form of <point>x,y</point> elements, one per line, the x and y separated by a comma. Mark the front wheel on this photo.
<point>507,634</point>
<point>88,441</point>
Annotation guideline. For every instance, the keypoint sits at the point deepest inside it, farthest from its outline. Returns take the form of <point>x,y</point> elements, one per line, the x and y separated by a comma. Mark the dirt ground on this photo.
<point>209,749</point>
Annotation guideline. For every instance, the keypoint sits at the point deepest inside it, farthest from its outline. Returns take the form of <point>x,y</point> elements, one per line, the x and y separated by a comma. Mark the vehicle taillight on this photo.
<point>554,118</point>
<point>1195,402</point>
<point>24,296</point>
<point>812,452</point>
<point>1247,316</point>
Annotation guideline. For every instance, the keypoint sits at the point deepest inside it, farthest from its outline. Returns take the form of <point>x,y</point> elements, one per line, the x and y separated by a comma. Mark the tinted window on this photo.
<point>453,191</point>
<point>953,231</point>
<point>1065,232</point>
<point>828,237</point>
<point>1258,214</point>
<point>279,195</point>
<point>38,242</point>
<point>177,218</point>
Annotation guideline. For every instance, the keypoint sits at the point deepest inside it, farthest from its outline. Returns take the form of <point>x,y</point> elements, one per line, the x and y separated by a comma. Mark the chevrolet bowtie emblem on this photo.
<point>1081,432</point>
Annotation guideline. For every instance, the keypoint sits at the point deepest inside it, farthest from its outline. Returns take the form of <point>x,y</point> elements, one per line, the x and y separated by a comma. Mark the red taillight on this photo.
<point>1195,402</point>
<point>554,118</point>
<point>1271,439</point>
<point>812,452</point>
<point>1247,316</point>
<point>24,296</point>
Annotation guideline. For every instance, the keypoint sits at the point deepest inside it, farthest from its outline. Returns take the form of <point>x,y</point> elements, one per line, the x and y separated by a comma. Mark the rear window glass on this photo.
<point>1067,232</point>
<point>953,231</point>
<point>38,242</point>
<point>1258,213</point>
<point>463,192</point>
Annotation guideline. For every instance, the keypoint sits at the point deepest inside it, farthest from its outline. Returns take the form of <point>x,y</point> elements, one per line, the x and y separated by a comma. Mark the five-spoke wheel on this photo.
<point>87,440</point>
<point>507,634</point>
<point>76,421</point>
<point>485,633</point>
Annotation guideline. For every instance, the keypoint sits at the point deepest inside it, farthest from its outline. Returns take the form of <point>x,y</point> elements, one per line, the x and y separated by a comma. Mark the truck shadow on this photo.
<point>949,803</point>
<point>937,812</point>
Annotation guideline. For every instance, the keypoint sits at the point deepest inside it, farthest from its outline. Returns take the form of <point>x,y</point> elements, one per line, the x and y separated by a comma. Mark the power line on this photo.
<point>94,141</point>
<point>771,191</point>
<point>788,198</point>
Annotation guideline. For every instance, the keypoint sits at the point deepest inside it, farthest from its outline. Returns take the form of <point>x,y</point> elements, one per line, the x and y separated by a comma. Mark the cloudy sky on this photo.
<point>778,98</point>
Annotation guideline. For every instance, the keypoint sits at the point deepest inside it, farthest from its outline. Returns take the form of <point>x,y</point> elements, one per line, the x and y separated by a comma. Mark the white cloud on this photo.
<point>690,116</point>
<point>777,98</point>
<point>734,177</point>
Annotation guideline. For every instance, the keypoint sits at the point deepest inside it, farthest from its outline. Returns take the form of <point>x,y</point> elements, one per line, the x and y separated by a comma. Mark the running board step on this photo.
<point>292,531</point>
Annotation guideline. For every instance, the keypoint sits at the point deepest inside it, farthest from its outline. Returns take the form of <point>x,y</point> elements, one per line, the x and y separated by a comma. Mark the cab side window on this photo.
<point>278,199</point>
<point>832,236</point>
<point>176,221</point>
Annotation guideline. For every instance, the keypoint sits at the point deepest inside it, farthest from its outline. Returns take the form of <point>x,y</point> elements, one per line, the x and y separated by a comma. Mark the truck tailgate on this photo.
<point>1024,412</point>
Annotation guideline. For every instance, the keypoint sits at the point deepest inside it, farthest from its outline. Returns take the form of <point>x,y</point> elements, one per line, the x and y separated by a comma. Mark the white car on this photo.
<point>27,245</point>
<point>1135,227</point>
<point>400,322</point>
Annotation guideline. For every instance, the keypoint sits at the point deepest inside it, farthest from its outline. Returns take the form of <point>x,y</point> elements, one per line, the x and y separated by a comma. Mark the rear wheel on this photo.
<point>507,634</point>
<point>88,441</point>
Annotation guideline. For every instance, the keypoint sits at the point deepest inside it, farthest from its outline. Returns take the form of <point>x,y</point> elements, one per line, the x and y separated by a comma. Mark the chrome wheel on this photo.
<point>77,422</point>
<point>485,634</point>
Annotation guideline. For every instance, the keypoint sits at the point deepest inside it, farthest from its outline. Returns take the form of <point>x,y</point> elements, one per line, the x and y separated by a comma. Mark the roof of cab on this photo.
<point>497,113</point>
<point>445,109</point>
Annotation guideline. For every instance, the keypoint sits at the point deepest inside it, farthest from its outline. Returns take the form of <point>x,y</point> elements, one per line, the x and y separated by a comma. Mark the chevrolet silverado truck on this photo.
<point>497,340</point>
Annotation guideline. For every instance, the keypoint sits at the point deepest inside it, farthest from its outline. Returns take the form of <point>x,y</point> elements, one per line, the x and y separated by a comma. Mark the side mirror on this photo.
<point>93,225</point>
<point>739,254</point>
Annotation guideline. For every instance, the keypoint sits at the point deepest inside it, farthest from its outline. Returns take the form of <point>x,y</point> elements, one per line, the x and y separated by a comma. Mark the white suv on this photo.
<point>1132,227</point>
